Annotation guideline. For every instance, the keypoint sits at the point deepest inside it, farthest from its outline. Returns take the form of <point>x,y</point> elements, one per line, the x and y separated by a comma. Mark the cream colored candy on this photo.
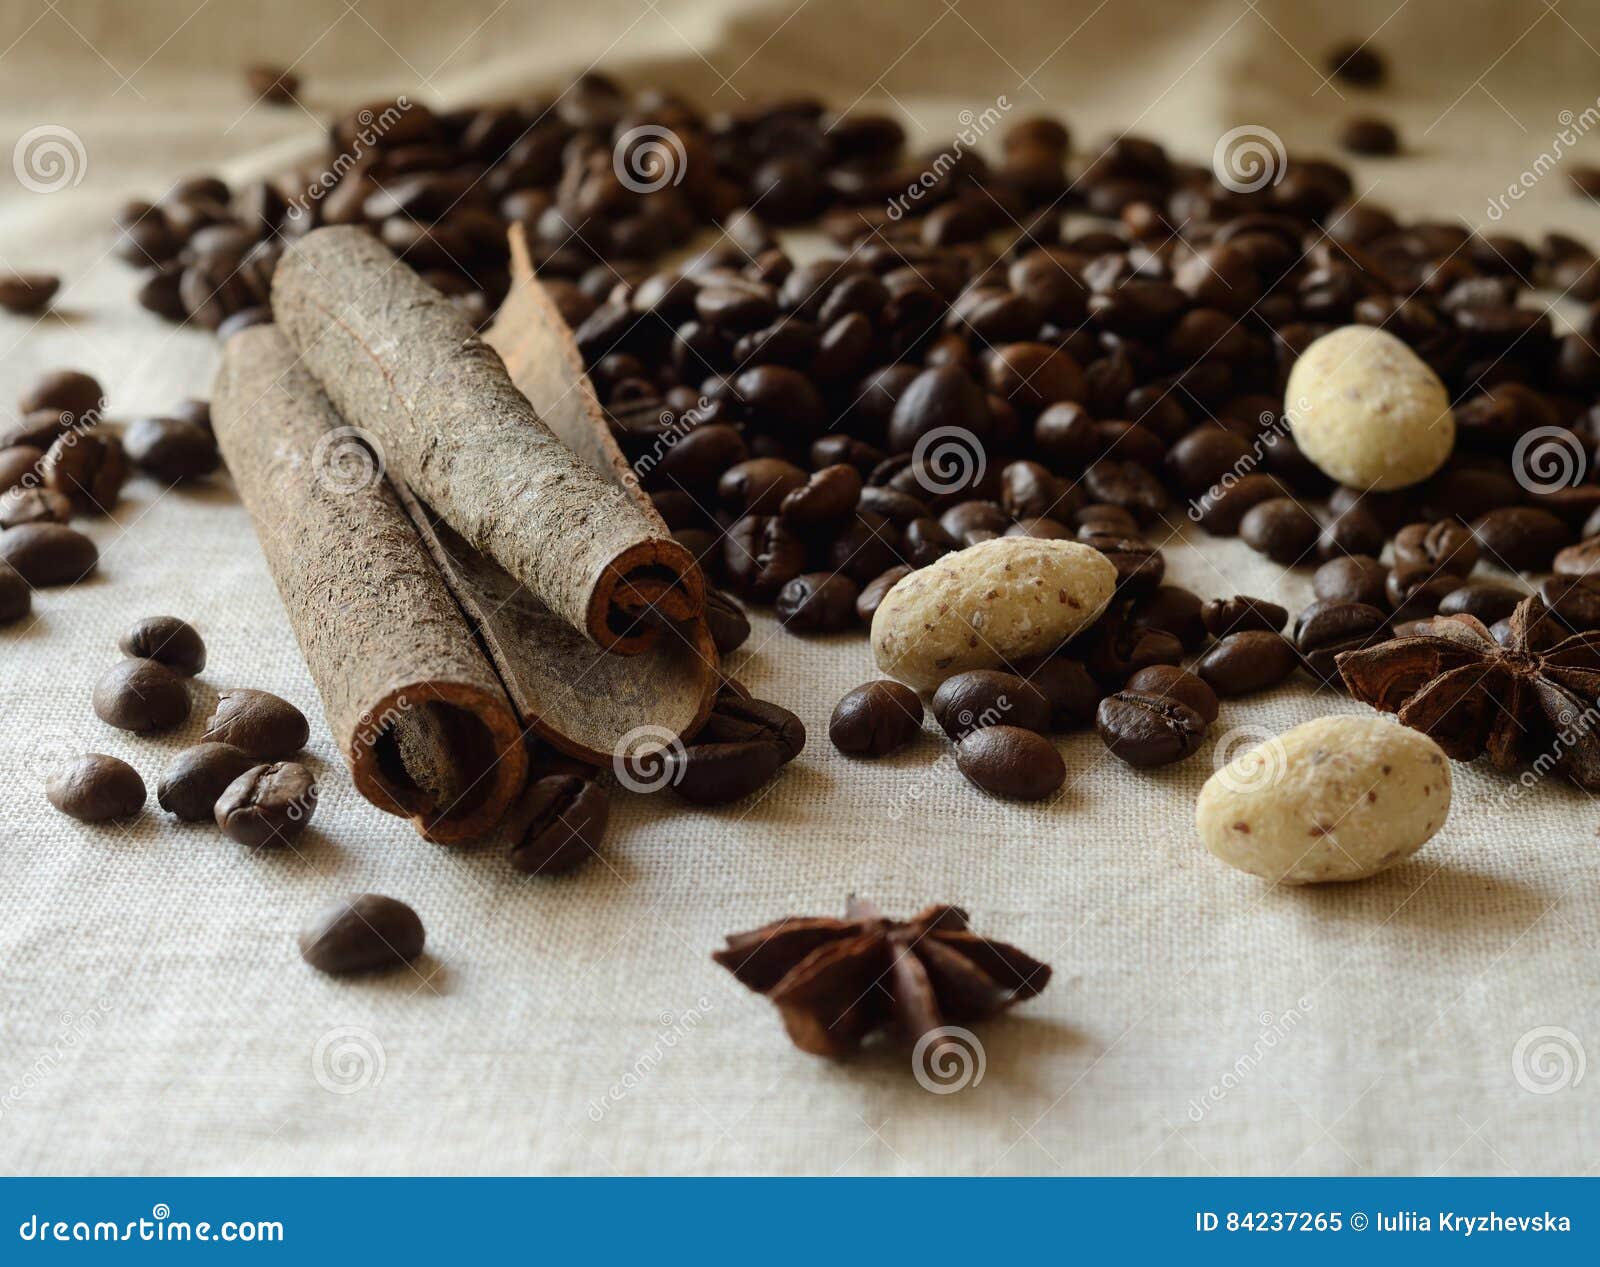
<point>1339,798</point>
<point>990,603</point>
<point>1367,410</point>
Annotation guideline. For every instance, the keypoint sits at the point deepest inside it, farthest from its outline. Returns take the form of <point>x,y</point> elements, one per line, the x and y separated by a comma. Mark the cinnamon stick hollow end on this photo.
<point>415,707</point>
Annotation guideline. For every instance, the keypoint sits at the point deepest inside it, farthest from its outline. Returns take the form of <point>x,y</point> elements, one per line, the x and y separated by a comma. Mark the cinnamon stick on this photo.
<point>423,721</point>
<point>398,361</point>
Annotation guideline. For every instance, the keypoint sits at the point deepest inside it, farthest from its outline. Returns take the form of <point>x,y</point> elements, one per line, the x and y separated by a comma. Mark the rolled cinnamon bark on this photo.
<point>423,721</point>
<point>400,362</point>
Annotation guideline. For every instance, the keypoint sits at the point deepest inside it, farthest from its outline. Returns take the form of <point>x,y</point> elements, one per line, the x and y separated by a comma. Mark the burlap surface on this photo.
<point>155,1017</point>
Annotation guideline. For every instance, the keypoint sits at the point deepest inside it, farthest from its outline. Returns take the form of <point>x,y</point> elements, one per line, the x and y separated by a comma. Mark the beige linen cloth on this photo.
<point>154,1013</point>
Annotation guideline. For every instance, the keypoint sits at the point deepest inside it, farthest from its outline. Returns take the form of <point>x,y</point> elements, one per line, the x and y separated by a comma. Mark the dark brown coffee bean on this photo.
<point>965,517</point>
<point>267,805</point>
<point>1242,614</point>
<point>16,596</point>
<point>737,718</point>
<point>1099,520</point>
<point>827,497</point>
<point>700,458</point>
<point>33,506</point>
<point>925,541</point>
<point>1068,686</point>
<point>1028,490</point>
<point>1370,136</point>
<point>1140,566</point>
<point>874,591</point>
<point>1520,538</point>
<point>364,933</point>
<point>197,776</point>
<point>1204,456</point>
<point>1574,600</point>
<point>559,824</point>
<point>1280,528</point>
<point>729,626</point>
<point>162,293</point>
<point>167,640</point>
<point>1148,730</point>
<point>1119,648</point>
<point>895,506</point>
<point>1128,485</point>
<point>19,462</point>
<point>1033,376</point>
<point>867,546</point>
<point>1010,762</point>
<point>1065,436</point>
<point>761,556</point>
<point>27,293</point>
<point>1414,593</point>
<point>1355,578</point>
<point>1357,64</point>
<point>758,486</point>
<point>987,697</point>
<point>69,394</point>
<point>266,727</point>
<point>94,787</point>
<point>875,719</point>
<point>719,773</point>
<point>1179,684</point>
<point>1175,610</point>
<point>1485,600</point>
<point>170,449</point>
<point>1223,507</point>
<point>1355,530</point>
<point>938,398</point>
<point>87,468</point>
<point>48,553</point>
<point>1582,559</point>
<point>141,695</point>
<point>1443,547</point>
<point>818,602</point>
<point>276,86</point>
<point>1329,627</point>
<point>1245,662</point>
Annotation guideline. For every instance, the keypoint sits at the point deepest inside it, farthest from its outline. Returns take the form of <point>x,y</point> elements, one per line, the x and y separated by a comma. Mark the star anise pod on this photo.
<point>836,981</point>
<point>1533,699</point>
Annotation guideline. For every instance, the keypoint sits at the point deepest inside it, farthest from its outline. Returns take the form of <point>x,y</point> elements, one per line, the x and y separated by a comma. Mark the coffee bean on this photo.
<point>1370,136</point>
<point>197,776</point>
<point>167,640</point>
<point>1028,490</point>
<point>266,727</point>
<point>87,468</point>
<point>1033,376</point>
<point>865,547</point>
<point>170,449</point>
<point>1520,538</point>
<point>761,556</point>
<point>1485,600</point>
<point>1574,600</point>
<point>1100,520</point>
<point>737,718</point>
<point>987,697</point>
<point>1140,566</point>
<point>969,516</point>
<point>94,787</point>
<point>1415,593</point>
<point>1174,610</point>
<point>1069,687</point>
<point>818,602</point>
<point>69,394</point>
<point>1179,684</point>
<point>33,506</point>
<point>1148,730</point>
<point>141,695</point>
<point>267,805</point>
<point>1582,559</point>
<point>1248,661</point>
<point>1355,530</point>
<point>1241,614</point>
<point>27,293</point>
<point>758,486</point>
<point>560,823</point>
<point>48,553</point>
<point>875,719</point>
<point>1127,485</point>
<point>827,497</point>
<point>274,85</point>
<point>1443,547</point>
<point>1355,578</point>
<point>729,626</point>
<point>1331,626</point>
<point>874,591</point>
<point>1204,456</point>
<point>1280,528</point>
<point>19,462</point>
<point>364,933</point>
<point>719,773</point>
<point>1010,762</point>
<point>16,596</point>
<point>1357,64</point>
<point>1222,509</point>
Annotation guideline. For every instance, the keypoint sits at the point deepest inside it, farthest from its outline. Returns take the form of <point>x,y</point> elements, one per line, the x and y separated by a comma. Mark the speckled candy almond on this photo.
<point>1339,798</point>
<point>987,605</point>
<point>1367,411</point>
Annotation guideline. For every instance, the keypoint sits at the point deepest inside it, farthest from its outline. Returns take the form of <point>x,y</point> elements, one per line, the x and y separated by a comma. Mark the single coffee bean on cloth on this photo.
<point>94,787</point>
<point>259,723</point>
<point>267,805</point>
<point>141,695</point>
<point>166,640</point>
<point>365,933</point>
<point>875,719</point>
<point>196,778</point>
<point>1012,763</point>
<point>558,824</point>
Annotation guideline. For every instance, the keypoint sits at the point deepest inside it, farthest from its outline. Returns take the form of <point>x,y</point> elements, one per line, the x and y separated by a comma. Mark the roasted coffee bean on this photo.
<point>94,787</point>
<point>827,497</point>
<point>167,640</point>
<point>867,546</point>
<point>737,718</point>
<point>893,505</point>
<point>1065,436</point>
<point>925,542</point>
<point>1010,762</point>
<point>718,773</point>
<point>33,506</point>
<point>1280,528</point>
<point>818,602</point>
<point>1069,687</point>
<point>1444,547</point>
<point>266,727</point>
<point>1204,456</point>
<point>27,293</point>
<point>1042,528</point>
<point>1033,376</point>
<point>1355,578</point>
<point>141,695</point>
<point>875,719</point>
<point>1370,136</point>
<point>1357,64</point>
<point>1574,600</point>
<point>1485,600</point>
<point>267,805</point>
<point>758,486</point>
<point>1118,648</point>
<point>874,591</point>
<point>1245,662</point>
<point>1242,614</point>
<point>987,697</point>
<point>1355,530</point>
<point>1140,566</point>
<point>966,517</point>
<point>1520,538</point>
<point>1582,559</point>
<point>1174,610</point>
<point>1128,485</point>
<point>1415,593</point>
<point>364,933</point>
<point>197,776</point>
<point>1331,626</point>
<point>170,449</point>
<point>16,597</point>
<point>87,468</point>
<point>1100,520</point>
<point>1028,490</point>
<point>1148,730</point>
<point>274,85</point>
<point>69,394</point>
<point>19,462</point>
<point>945,396</point>
<point>729,626</point>
<point>761,556</point>
<point>1180,684</point>
<point>48,553</point>
<point>559,824</point>
<point>1223,507</point>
